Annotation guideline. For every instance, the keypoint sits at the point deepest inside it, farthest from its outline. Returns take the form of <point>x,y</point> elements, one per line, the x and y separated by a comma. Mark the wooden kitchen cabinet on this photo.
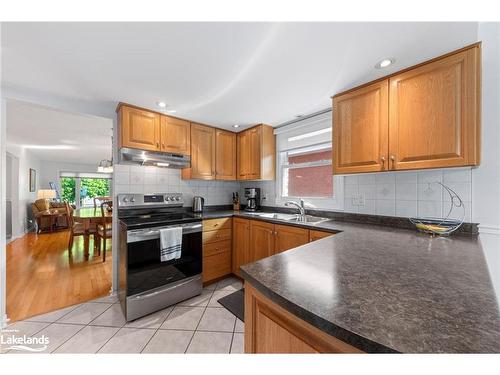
<point>315,235</point>
<point>138,128</point>
<point>241,243</point>
<point>360,128</point>
<point>427,116</point>
<point>288,237</point>
<point>225,157</point>
<point>175,135</point>
<point>262,240</point>
<point>434,113</point>
<point>270,329</point>
<point>256,148</point>
<point>202,153</point>
<point>217,248</point>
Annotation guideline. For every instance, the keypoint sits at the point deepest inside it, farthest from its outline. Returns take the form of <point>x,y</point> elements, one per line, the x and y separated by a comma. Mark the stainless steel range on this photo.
<point>146,283</point>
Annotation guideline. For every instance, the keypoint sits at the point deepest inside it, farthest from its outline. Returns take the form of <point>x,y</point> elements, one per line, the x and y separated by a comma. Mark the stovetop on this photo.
<point>156,219</point>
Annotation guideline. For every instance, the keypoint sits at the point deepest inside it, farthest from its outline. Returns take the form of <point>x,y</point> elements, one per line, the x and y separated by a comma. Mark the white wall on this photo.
<point>50,171</point>
<point>486,178</point>
<point>25,197</point>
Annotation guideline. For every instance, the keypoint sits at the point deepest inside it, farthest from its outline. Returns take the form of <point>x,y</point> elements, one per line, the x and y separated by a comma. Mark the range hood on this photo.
<point>157,159</point>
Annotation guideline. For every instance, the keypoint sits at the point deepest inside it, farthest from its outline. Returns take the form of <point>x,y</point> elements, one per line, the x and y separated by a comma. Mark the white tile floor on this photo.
<point>197,325</point>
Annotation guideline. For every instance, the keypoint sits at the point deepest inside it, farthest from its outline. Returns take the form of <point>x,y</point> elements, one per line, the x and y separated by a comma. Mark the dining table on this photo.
<point>89,217</point>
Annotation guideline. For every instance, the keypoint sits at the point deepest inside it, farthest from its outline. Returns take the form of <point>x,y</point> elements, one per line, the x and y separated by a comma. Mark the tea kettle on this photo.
<point>198,203</point>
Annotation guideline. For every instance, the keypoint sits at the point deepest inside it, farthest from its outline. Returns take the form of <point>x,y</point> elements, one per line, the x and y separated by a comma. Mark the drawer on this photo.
<point>216,235</point>
<point>216,248</point>
<point>216,266</point>
<point>215,224</point>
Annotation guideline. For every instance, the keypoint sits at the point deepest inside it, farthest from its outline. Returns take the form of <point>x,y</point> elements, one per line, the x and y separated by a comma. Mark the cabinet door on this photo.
<point>254,152</point>
<point>241,243</point>
<point>139,129</point>
<point>288,237</point>
<point>202,152</point>
<point>360,129</point>
<point>225,160</point>
<point>318,234</point>
<point>175,135</point>
<point>261,240</point>
<point>434,113</point>
<point>243,156</point>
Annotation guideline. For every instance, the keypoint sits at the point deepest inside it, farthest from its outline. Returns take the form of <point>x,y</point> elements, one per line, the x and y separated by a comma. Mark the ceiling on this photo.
<point>52,135</point>
<point>217,73</point>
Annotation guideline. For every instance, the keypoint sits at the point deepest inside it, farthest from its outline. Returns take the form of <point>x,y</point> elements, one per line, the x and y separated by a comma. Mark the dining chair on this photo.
<point>99,200</point>
<point>104,228</point>
<point>76,228</point>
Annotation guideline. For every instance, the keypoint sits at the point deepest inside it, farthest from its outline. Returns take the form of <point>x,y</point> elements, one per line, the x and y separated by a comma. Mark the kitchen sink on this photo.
<point>290,217</point>
<point>276,216</point>
<point>307,219</point>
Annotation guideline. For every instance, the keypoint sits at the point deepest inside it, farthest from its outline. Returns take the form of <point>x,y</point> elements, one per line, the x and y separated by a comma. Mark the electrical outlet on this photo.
<point>358,200</point>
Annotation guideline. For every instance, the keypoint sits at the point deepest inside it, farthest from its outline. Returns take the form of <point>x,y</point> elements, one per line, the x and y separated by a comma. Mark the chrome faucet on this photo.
<point>301,207</point>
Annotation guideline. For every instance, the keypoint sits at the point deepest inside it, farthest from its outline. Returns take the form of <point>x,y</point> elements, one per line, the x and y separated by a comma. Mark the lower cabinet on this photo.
<point>217,249</point>
<point>288,237</point>
<point>262,240</point>
<point>318,235</point>
<point>241,243</point>
<point>230,243</point>
<point>269,328</point>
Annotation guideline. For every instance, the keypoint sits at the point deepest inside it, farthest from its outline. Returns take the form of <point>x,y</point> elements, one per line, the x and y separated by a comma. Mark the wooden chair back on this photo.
<point>105,218</point>
<point>99,200</point>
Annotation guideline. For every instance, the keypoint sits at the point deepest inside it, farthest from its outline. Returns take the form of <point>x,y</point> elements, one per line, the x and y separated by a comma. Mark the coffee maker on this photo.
<point>253,199</point>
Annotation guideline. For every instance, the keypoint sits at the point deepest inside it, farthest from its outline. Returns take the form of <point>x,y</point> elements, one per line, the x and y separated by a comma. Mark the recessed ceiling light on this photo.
<point>171,111</point>
<point>161,104</point>
<point>385,63</point>
<point>236,126</point>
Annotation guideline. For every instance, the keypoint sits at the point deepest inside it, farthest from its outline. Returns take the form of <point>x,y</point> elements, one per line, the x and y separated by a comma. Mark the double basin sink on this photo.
<point>290,218</point>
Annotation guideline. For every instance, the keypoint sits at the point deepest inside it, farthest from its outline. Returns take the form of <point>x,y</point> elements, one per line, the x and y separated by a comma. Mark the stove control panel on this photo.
<point>150,200</point>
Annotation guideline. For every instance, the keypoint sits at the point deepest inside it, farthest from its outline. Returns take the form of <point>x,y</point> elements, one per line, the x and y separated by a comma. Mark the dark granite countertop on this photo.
<point>383,289</point>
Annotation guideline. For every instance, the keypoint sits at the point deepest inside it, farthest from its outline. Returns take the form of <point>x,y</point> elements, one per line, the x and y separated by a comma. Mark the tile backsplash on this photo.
<point>137,179</point>
<point>405,194</point>
<point>408,194</point>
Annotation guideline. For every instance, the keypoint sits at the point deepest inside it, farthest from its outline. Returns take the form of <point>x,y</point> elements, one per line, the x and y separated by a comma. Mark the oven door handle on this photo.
<point>148,295</point>
<point>145,234</point>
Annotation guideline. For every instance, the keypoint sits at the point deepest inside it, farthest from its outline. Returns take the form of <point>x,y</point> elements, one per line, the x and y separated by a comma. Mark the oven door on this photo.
<point>145,270</point>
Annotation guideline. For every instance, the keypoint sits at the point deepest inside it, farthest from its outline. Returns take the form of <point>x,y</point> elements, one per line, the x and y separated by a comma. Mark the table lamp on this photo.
<point>46,194</point>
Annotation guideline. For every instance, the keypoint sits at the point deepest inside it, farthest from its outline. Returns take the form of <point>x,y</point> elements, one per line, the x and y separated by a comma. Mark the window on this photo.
<point>79,189</point>
<point>304,164</point>
<point>307,172</point>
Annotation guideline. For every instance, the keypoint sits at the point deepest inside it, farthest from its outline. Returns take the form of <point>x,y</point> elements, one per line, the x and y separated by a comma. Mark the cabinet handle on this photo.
<point>157,144</point>
<point>382,159</point>
<point>393,159</point>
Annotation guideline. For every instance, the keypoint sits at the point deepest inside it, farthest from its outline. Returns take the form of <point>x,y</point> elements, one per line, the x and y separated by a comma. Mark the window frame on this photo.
<point>296,129</point>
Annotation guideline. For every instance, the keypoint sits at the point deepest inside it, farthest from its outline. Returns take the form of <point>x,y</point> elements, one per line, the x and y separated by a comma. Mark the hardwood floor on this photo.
<point>42,278</point>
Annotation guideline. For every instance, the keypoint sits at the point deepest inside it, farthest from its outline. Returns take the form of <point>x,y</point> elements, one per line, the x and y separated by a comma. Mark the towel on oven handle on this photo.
<point>170,243</point>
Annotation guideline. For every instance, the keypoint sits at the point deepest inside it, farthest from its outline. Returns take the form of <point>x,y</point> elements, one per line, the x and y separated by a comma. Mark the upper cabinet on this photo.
<point>139,128</point>
<point>225,155</point>
<point>434,113</point>
<point>361,123</point>
<point>147,130</point>
<point>256,153</point>
<point>202,153</point>
<point>175,135</point>
<point>427,116</point>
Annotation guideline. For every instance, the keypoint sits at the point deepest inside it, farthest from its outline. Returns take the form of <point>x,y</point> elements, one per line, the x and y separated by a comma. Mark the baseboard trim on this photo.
<point>489,229</point>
